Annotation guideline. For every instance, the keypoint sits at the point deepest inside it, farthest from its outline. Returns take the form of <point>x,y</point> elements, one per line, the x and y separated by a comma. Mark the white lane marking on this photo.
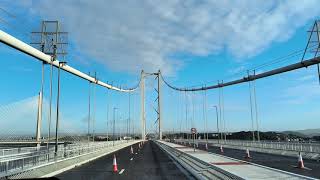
<point>131,159</point>
<point>122,170</point>
<point>306,168</point>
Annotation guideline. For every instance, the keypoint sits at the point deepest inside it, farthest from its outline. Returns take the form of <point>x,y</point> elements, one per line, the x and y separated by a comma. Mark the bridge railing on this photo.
<point>13,151</point>
<point>286,146</point>
<point>14,164</point>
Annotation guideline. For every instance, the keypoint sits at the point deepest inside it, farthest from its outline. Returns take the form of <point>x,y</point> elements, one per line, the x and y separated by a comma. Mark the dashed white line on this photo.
<point>122,170</point>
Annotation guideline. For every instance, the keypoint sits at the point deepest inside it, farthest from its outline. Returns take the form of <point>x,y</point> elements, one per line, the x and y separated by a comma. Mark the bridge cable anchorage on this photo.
<point>31,51</point>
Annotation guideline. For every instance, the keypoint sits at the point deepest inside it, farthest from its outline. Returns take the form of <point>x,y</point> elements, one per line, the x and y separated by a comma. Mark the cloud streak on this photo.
<point>135,35</point>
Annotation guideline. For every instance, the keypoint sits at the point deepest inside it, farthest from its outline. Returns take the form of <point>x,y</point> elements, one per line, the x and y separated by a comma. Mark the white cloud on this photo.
<point>135,35</point>
<point>237,70</point>
<point>301,94</point>
<point>306,77</point>
<point>19,117</point>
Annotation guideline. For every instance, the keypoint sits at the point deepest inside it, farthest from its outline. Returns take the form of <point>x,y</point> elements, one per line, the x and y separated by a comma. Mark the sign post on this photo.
<point>194,132</point>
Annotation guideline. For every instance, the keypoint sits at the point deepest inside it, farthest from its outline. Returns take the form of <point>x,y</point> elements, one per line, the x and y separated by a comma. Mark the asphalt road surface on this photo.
<point>285,163</point>
<point>149,163</point>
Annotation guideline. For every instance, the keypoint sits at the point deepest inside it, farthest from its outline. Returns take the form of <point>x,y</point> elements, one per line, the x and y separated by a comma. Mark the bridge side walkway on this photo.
<point>243,169</point>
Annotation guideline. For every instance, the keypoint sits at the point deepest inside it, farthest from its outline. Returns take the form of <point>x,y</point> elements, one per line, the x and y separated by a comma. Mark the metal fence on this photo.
<point>15,163</point>
<point>286,146</point>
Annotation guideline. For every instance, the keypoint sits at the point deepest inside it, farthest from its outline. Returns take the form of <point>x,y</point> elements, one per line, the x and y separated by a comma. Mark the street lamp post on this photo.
<point>120,122</point>
<point>57,116</point>
<point>217,122</point>
<point>114,122</point>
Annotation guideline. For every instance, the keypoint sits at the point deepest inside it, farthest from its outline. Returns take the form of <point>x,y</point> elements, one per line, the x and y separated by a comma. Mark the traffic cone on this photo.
<point>131,150</point>
<point>248,154</point>
<point>221,149</point>
<point>115,165</point>
<point>300,162</point>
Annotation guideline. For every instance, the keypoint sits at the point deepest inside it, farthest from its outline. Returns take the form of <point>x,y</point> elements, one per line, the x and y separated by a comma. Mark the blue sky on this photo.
<point>192,42</point>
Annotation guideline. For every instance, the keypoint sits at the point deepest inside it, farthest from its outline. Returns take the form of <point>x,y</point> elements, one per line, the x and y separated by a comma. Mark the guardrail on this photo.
<point>286,146</point>
<point>198,168</point>
<point>20,162</point>
<point>21,150</point>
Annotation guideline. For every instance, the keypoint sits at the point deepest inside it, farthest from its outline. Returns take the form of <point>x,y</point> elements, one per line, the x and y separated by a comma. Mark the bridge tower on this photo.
<point>143,115</point>
<point>159,105</point>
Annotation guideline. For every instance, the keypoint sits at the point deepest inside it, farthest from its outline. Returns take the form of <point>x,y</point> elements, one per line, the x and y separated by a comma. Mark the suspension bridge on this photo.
<point>66,146</point>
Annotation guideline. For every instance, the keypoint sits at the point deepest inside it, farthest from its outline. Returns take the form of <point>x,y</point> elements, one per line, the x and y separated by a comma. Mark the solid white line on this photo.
<point>122,170</point>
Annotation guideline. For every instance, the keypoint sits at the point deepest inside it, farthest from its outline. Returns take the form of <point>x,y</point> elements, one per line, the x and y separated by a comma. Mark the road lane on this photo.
<point>150,162</point>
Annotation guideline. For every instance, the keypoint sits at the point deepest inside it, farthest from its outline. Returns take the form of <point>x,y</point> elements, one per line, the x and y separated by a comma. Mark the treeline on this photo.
<point>248,135</point>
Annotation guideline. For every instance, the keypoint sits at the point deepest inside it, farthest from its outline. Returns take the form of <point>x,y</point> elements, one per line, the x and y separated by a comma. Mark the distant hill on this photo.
<point>309,132</point>
<point>296,133</point>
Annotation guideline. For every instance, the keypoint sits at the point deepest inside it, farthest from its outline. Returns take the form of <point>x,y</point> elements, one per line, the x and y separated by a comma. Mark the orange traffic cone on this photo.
<point>206,146</point>
<point>131,150</point>
<point>221,149</point>
<point>248,154</point>
<point>300,162</point>
<point>115,165</point>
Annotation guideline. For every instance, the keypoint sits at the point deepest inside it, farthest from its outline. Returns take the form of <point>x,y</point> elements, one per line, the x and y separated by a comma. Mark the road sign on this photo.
<point>193,130</point>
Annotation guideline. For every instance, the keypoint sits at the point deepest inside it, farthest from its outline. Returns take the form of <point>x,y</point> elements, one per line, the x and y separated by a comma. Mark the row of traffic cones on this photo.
<point>115,165</point>
<point>247,156</point>
<point>300,160</point>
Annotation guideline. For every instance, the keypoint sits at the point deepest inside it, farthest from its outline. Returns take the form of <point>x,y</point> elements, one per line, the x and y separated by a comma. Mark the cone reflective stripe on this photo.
<point>131,150</point>
<point>115,165</point>
<point>247,154</point>
<point>206,146</point>
<point>221,149</point>
<point>300,161</point>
